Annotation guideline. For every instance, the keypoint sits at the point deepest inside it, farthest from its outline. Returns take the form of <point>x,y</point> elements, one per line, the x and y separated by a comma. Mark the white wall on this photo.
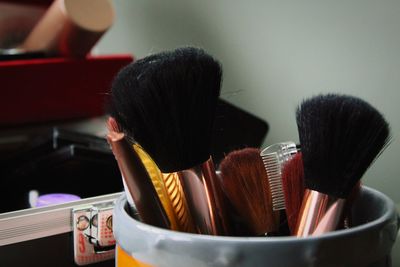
<point>275,53</point>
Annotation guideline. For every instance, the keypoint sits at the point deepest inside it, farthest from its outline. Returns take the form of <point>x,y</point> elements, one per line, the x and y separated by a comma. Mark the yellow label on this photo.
<point>125,260</point>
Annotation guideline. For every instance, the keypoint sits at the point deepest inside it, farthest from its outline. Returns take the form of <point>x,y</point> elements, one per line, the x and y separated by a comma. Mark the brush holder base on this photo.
<point>367,244</point>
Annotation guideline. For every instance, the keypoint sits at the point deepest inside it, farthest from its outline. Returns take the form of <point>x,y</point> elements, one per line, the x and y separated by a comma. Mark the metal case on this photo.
<point>69,234</point>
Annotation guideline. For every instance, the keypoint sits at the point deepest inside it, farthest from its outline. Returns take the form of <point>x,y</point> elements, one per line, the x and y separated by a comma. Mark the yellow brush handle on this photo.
<point>170,192</point>
<point>159,185</point>
<point>179,204</point>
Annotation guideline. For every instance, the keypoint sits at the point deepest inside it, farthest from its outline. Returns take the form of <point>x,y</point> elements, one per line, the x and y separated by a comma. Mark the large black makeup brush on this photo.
<point>340,137</point>
<point>166,103</point>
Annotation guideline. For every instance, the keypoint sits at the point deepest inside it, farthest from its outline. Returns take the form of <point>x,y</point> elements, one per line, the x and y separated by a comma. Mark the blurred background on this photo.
<point>276,53</point>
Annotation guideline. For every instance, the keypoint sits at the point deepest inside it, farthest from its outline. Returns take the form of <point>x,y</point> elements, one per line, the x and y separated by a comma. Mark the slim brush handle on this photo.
<point>197,185</point>
<point>216,196</point>
<point>139,183</point>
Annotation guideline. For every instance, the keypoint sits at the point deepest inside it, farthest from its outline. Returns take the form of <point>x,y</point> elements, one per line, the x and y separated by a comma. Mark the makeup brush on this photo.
<point>166,103</point>
<point>170,192</point>
<point>245,183</point>
<point>136,180</point>
<point>293,188</point>
<point>179,202</point>
<point>340,137</point>
<point>159,185</point>
<point>113,127</point>
<point>347,221</point>
<point>168,189</point>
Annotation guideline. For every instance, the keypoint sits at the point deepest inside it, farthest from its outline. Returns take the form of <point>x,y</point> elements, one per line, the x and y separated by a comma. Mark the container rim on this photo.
<point>389,214</point>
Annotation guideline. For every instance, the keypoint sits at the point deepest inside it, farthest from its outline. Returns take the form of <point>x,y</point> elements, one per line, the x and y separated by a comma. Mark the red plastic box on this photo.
<point>40,90</point>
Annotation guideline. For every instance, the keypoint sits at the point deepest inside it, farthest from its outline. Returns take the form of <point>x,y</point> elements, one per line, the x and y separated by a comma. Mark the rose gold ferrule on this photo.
<point>138,182</point>
<point>203,195</point>
<point>319,213</point>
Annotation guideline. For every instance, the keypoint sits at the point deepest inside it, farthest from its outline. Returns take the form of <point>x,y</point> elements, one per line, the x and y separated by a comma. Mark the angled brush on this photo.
<point>245,183</point>
<point>340,137</point>
<point>166,103</point>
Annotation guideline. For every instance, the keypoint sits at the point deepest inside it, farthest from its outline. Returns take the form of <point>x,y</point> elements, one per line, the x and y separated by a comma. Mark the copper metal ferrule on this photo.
<point>138,182</point>
<point>203,194</point>
<point>319,213</point>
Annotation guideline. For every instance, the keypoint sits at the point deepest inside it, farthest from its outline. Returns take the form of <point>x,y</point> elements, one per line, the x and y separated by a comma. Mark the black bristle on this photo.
<point>340,137</point>
<point>166,102</point>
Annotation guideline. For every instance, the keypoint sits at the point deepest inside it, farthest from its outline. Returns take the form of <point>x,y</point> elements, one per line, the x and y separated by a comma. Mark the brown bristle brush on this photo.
<point>293,188</point>
<point>245,183</point>
<point>166,102</point>
<point>340,137</point>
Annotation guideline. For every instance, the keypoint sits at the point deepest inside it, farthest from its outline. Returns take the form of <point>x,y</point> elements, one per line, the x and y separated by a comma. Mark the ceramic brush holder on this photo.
<point>367,243</point>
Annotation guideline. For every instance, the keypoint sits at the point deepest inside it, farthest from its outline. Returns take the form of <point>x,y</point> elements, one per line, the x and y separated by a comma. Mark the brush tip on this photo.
<point>114,133</point>
<point>245,183</point>
<point>112,125</point>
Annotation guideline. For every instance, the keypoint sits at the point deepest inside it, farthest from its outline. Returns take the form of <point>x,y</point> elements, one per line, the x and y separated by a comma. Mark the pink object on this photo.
<point>52,199</point>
